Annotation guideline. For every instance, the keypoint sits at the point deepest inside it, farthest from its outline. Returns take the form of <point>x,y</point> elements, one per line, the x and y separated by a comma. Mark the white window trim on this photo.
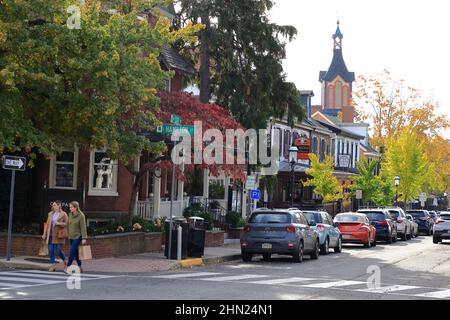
<point>52,171</point>
<point>98,192</point>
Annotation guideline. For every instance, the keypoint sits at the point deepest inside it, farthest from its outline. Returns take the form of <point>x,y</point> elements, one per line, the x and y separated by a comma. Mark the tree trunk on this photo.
<point>205,61</point>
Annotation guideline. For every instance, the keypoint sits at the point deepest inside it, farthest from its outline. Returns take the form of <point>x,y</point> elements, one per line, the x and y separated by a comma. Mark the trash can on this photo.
<point>196,237</point>
<point>177,221</point>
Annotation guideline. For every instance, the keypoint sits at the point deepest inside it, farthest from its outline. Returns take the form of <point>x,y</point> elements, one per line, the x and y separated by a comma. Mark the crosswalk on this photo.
<point>311,283</point>
<point>31,278</point>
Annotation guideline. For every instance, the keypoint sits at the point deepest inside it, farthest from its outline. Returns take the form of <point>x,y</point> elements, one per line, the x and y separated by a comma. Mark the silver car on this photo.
<point>279,231</point>
<point>414,225</point>
<point>441,229</point>
<point>404,227</point>
<point>329,234</point>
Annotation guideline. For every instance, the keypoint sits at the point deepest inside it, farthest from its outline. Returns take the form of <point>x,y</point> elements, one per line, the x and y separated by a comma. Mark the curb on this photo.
<point>188,263</point>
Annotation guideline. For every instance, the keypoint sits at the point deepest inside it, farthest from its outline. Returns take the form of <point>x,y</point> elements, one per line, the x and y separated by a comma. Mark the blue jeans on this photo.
<point>74,244</point>
<point>51,250</point>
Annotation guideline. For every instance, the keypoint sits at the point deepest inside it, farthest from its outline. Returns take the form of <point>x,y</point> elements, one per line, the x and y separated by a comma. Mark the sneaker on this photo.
<point>52,269</point>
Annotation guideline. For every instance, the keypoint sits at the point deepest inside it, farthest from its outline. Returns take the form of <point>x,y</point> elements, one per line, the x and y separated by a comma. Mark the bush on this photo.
<point>216,191</point>
<point>234,219</point>
<point>197,211</point>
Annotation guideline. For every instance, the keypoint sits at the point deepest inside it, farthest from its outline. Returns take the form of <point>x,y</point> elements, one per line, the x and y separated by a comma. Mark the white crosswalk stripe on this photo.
<point>388,289</point>
<point>234,278</point>
<point>282,281</point>
<point>442,294</point>
<point>333,284</point>
<point>31,278</point>
<point>187,275</point>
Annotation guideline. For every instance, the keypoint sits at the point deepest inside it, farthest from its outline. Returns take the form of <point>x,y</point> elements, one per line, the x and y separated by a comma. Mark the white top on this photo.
<point>55,217</point>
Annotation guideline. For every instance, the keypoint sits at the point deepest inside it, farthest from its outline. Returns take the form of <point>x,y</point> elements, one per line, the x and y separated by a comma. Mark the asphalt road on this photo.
<point>416,269</point>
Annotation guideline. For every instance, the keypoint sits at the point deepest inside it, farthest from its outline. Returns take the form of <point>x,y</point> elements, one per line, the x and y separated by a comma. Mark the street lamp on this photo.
<point>396,183</point>
<point>293,150</point>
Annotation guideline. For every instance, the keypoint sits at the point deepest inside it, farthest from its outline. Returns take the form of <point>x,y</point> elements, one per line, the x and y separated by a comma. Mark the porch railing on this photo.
<point>144,209</point>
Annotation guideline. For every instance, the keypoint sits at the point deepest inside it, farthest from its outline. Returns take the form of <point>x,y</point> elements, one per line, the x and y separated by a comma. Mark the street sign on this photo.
<point>168,129</point>
<point>250,182</point>
<point>255,194</point>
<point>14,163</point>
<point>422,204</point>
<point>175,119</point>
<point>358,194</point>
<point>344,160</point>
<point>423,197</point>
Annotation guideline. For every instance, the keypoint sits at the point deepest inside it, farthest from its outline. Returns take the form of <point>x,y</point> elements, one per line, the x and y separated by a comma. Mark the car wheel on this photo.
<point>403,236</point>
<point>430,232</point>
<point>338,248</point>
<point>298,254</point>
<point>369,242</point>
<point>374,243</point>
<point>436,240</point>
<point>325,248</point>
<point>266,256</point>
<point>389,240</point>
<point>315,254</point>
<point>394,239</point>
<point>246,257</point>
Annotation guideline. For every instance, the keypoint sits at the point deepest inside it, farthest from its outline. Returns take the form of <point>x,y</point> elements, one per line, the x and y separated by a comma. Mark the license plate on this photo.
<point>346,236</point>
<point>267,246</point>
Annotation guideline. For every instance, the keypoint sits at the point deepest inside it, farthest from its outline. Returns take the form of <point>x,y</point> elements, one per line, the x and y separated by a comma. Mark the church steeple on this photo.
<point>337,37</point>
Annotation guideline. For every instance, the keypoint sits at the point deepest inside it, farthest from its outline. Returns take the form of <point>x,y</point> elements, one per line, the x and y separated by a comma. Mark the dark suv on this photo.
<point>383,222</point>
<point>424,220</point>
<point>279,231</point>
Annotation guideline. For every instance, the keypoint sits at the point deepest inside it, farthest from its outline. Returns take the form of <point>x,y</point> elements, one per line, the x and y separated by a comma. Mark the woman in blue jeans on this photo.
<point>56,233</point>
<point>77,232</point>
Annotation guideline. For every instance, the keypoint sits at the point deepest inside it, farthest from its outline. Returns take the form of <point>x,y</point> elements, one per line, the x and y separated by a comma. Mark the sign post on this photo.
<point>423,199</point>
<point>359,197</point>
<point>12,163</point>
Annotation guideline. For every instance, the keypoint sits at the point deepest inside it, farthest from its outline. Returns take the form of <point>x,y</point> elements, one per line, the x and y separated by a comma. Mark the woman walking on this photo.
<point>77,232</point>
<point>55,233</point>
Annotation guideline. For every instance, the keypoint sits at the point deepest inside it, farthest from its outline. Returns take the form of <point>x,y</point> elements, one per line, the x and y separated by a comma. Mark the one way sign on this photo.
<point>13,163</point>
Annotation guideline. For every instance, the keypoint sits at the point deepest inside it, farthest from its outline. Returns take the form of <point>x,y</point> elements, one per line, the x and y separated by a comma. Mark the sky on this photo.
<point>410,38</point>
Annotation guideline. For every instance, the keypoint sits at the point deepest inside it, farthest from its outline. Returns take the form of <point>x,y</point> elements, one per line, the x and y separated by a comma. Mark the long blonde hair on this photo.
<point>76,205</point>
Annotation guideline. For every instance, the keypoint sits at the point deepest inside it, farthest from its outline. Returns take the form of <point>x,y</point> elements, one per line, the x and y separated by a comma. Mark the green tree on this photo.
<point>405,157</point>
<point>323,179</point>
<point>366,181</point>
<point>240,54</point>
<point>94,86</point>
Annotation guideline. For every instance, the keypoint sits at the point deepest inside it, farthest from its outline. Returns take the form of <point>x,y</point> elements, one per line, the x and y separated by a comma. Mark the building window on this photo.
<point>322,150</point>
<point>314,146</point>
<point>63,170</point>
<point>330,101</point>
<point>338,95</point>
<point>102,174</point>
<point>345,96</point>
<point>287,143</point>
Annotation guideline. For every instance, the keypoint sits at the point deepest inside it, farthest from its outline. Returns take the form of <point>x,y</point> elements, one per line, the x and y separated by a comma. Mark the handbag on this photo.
<point>61,233</point>
<point>84,252</point>
<point>43,249</point>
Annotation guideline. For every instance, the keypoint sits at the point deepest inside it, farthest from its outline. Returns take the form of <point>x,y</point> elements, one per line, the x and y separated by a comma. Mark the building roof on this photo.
<point>337,68</point>
<point>338,33</point>
<point>173,60</point>
<point>370,150</point>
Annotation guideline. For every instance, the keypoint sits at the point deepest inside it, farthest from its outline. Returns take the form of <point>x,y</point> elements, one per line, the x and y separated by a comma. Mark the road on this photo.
<point>416,269</point>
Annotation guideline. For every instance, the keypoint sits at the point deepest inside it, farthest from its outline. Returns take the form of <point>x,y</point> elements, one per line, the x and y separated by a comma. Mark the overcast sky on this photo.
<point>411,38</point>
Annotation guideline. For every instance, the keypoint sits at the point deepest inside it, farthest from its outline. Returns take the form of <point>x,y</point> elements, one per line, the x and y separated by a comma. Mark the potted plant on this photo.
<point>236,224</point>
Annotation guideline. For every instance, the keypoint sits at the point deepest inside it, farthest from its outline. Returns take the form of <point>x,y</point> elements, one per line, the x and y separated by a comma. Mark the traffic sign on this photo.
<point>13,163</point>
<point>250,182</point>
<point>175,119</point>
<point>168,129</point>
<point>255,194</point>
<point>423,197</point>
<point>358,194</point>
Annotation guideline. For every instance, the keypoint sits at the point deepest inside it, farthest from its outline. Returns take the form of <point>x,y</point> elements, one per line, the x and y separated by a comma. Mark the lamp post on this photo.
<point>293,150</point>
<point>396,183</point>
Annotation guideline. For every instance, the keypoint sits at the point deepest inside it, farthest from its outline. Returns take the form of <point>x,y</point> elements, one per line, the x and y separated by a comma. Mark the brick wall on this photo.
<point>104,246</point>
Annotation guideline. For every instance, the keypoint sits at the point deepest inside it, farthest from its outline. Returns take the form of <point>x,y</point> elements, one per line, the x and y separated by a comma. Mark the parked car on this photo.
<point>356,228</point>
<point>434,215</point>
<point>404,226</point>
<point>279,231</point>
<point>415,226</point>
<point>441,229</point>
<point>383,222</point>
<point>329,235</point>
<point>423,219</point>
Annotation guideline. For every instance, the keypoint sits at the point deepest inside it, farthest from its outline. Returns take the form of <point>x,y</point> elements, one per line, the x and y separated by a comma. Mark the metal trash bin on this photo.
<point>196,237</point>
<point>177,221</point>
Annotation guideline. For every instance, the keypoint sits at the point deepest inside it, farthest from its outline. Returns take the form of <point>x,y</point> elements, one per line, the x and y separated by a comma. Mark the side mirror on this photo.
<point>336,224</point>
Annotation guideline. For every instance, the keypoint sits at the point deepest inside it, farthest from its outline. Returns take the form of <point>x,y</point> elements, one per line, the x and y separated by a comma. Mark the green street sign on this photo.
<point>168,129</point>
<point>175,119</point>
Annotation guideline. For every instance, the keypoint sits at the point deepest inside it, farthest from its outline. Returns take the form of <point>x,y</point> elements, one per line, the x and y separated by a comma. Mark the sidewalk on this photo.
<point>139,263</point>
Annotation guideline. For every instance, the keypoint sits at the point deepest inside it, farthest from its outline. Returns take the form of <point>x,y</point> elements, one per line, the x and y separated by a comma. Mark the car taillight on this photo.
<point>383,222</point>
<point>247,229</point>
<point>362,229</point>
<point>320,227</point>
<point>290,229</point>
<point>244,244</point>
<point>439,221</point>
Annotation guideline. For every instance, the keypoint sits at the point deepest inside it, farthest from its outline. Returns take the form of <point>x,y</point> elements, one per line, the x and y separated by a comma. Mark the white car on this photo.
<point>404,227</point>
<point>414,225</point>
<point>441,228</point>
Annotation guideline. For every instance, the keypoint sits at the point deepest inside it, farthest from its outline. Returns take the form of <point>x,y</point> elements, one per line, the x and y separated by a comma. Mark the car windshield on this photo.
<point>349,218</point>
<point>395,214</point>
<point>445,217</point>
<point>374,215</point>
<point>313,217</point>
<point>417,214</point>
<point>432,214</point>
<point>274,217</point>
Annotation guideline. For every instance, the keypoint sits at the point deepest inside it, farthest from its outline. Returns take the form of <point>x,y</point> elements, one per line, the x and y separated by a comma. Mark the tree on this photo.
<point>323,180</point>
<point>94,86</point>
<point>240,54</point>
<point>391,105</point>
<point>405,157</point>
<point>438,155</point>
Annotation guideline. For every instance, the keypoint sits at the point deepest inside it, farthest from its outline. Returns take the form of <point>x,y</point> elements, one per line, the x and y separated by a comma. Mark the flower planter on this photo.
<point>235,233</point>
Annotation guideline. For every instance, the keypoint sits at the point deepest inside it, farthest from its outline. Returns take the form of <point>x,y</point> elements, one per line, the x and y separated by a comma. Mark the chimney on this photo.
<point>348,114</point>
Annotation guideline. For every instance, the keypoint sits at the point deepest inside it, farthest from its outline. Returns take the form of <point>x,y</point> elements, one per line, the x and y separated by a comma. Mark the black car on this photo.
<point>383,222</point>
<point>424,220</point>
<point>433,215</point>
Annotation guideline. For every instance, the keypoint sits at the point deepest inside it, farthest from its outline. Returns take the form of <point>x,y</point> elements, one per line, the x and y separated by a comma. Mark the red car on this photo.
<point>356,228</point>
